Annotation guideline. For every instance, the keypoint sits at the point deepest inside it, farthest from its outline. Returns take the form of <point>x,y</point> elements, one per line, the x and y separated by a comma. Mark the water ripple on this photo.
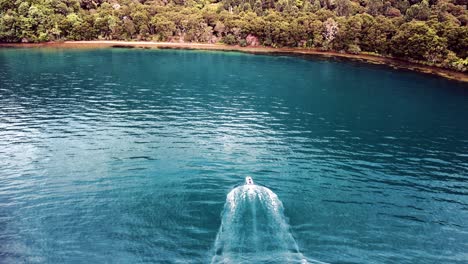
<point>132,164</point>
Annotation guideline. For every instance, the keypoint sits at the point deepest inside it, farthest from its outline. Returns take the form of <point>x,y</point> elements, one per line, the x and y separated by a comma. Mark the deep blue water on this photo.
<point>127,156</point>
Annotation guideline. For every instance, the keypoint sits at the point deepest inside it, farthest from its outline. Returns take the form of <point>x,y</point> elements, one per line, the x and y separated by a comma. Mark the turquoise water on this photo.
<point>128,156</point>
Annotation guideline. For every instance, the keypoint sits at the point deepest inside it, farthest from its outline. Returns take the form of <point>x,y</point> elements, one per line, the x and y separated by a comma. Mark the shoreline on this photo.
<point>372,59</point>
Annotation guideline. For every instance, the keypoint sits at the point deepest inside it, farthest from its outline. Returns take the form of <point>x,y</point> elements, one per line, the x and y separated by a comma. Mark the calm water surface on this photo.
<point>127,156</point>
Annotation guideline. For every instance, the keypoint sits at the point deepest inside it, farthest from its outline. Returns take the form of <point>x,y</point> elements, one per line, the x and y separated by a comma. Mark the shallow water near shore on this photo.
<point>128,156</point>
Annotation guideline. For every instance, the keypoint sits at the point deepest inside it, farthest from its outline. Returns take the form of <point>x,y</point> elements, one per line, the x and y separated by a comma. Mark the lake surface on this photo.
<point>128,156</point>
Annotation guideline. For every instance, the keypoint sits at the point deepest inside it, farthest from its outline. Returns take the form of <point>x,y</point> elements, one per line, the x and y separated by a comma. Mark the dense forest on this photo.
<point>433,32</point>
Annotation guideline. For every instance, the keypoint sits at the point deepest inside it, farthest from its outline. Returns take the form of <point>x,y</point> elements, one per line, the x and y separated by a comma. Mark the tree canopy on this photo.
<point>433,32</point>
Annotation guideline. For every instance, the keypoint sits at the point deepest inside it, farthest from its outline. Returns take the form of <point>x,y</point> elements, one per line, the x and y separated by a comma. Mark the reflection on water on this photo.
<point>127,156</point>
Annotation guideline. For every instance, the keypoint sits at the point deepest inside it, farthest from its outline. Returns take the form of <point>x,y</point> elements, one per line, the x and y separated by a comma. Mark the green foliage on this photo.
<point>420,11</point>
<point>416,40</point>
<point>353,49</point>
<point>230,40</point>
<point>243,43</point>
<point>433,32</point>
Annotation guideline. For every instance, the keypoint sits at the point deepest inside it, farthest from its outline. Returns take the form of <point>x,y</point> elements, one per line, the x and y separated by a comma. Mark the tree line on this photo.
<point>432,32</point>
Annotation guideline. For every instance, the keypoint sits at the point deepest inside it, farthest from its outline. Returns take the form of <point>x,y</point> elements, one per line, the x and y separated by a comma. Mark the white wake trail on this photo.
<point>254,229</point>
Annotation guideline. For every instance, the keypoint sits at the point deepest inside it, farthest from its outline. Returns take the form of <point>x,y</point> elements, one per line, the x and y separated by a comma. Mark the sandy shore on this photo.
<point>395,63</point>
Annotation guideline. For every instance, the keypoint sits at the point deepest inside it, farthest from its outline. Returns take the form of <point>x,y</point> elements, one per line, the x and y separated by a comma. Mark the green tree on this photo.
<point>418,41</point>
<point>419,11</point>
<point>163,27</point>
